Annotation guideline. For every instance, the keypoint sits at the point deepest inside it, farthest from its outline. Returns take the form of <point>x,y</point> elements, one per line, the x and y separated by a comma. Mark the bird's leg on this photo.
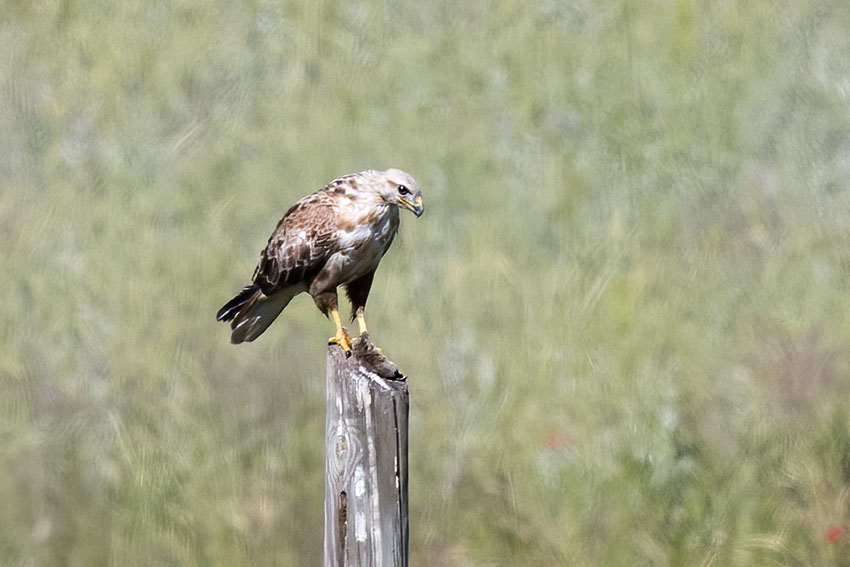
<point>326,300</point>
<point>341,338</point>
<point>358,292</point>
<point>361,320</point>
<point>364,332</point>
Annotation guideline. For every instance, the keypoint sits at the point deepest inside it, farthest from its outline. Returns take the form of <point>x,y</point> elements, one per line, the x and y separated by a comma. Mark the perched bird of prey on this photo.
<point>334,237</point>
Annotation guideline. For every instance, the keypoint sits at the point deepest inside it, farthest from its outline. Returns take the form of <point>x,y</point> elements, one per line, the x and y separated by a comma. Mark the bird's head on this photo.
<point>399,188</point>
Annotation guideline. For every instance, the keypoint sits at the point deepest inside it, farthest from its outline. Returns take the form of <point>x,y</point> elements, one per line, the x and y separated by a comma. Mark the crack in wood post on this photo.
<point>343,526</point>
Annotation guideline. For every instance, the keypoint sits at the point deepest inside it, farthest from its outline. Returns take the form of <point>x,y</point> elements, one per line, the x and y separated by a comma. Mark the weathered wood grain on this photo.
<point>366,522</point>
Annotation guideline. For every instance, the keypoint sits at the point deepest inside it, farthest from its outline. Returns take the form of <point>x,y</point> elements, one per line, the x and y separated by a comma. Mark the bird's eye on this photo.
<point>403,190</point>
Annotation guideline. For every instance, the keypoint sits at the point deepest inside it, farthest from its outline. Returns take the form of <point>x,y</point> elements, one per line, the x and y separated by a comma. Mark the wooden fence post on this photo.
<point>366,521</point>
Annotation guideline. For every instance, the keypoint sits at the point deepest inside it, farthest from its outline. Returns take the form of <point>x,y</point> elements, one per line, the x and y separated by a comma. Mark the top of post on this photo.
<point>366,358</point>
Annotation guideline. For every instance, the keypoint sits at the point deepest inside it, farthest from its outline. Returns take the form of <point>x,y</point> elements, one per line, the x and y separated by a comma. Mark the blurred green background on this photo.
<point>624,313</point>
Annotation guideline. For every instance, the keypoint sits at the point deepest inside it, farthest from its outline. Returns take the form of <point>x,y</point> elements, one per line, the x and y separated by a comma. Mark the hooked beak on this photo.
<point>416,207</point>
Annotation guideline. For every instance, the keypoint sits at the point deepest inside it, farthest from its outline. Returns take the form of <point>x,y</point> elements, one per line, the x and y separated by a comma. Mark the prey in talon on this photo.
<point>331,238</point>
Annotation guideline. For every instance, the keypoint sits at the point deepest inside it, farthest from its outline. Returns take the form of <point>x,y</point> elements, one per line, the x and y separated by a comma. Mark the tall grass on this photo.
<point>624,312</point>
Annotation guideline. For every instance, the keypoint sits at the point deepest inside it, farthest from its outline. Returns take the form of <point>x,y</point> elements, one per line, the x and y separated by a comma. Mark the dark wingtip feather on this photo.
<point>232,307</point>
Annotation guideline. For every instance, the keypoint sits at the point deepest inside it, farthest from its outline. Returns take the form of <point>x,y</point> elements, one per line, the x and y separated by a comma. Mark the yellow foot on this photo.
<point>342,340</point>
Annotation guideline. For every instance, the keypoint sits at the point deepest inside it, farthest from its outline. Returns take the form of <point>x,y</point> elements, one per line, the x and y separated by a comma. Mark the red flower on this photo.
<point>833,533</point>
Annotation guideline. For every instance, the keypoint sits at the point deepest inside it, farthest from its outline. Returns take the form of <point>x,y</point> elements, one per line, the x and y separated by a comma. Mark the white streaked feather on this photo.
<point>350,238</point>
<point>262,314</point>
<point>361,248</point>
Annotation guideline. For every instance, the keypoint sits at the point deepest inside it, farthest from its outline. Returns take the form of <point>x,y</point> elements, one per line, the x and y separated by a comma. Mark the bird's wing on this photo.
<point>300,245</point>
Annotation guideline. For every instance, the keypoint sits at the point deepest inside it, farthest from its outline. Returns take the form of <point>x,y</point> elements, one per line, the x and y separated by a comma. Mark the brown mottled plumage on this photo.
<point>334,237</point>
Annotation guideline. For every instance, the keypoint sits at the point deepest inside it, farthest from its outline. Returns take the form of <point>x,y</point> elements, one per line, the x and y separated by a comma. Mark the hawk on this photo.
<point>334,237</point>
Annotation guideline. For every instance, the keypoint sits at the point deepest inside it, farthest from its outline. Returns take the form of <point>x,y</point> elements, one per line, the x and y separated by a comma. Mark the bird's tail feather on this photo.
<point>232,307</point>
<point>252,311</point>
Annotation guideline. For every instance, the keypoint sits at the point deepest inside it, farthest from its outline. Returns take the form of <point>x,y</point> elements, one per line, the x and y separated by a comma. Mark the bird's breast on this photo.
<point>364,241</point>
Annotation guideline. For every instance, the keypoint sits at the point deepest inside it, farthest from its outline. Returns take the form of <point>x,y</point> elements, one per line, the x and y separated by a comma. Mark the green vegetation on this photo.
<point>625,311</point>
